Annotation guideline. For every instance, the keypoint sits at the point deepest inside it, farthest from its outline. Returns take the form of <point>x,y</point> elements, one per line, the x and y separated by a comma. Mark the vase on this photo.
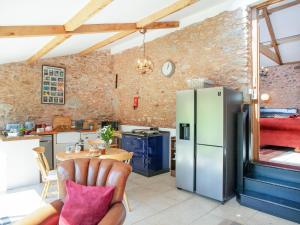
<point>107,145</point>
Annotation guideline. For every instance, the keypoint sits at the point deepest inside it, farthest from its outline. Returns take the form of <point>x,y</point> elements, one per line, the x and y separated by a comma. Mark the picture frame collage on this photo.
<point>53,85</point>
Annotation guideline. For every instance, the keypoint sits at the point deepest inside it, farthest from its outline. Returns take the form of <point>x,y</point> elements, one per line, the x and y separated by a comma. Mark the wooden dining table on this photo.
<point>62,156</point>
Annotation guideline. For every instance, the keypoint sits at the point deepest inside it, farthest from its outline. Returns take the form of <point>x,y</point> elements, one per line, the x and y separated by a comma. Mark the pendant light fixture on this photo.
<point>144,65</point>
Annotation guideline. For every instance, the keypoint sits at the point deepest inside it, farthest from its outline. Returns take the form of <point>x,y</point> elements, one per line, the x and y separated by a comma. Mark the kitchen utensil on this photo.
<point>48,128</point>
<point>40,130</point>
<point>64,122</point>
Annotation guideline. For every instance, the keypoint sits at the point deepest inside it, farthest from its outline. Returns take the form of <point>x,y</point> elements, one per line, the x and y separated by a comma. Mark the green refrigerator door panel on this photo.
<point>210,116</point>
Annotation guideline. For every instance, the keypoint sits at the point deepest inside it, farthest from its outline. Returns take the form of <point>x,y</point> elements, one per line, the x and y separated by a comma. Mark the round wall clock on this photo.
<point>168,68</point>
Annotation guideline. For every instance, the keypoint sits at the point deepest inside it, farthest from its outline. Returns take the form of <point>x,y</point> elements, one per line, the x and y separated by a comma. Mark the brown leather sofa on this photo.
<point>91,172</point>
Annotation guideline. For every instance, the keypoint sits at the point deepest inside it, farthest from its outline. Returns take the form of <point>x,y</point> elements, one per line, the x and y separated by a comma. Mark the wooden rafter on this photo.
<point>50,45</point>
<point>180,4</point>
<point>272,34</point>
<point>267,3</point>
<point>293,62</point>
<point>165,12</point>
<point>84,14</point>
<point>89,10</point>
<point>53,30</point>
<point>269,53</point>
<point>107,41</point>
<point>283,40</point>
<point>281,7</point>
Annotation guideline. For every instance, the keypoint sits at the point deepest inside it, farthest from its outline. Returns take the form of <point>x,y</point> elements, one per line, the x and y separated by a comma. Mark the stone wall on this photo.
<point>217,48</point>
<point>89,83</point>
<point>283,86</point>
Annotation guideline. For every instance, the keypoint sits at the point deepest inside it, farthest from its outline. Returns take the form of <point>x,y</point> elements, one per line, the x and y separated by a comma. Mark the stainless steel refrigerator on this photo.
<point>206,141</point>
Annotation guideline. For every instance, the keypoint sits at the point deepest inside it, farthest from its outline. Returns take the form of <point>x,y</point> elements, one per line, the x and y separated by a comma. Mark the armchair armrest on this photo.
<point>115,216</point>
<point>47,215</point>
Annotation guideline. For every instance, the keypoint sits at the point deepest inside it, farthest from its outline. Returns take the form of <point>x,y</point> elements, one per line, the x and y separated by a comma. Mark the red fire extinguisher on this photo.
<point>135,101</point>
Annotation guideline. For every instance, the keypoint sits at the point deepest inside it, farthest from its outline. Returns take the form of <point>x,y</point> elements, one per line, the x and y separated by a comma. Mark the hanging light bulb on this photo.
<point>144,65</point>
<point>263,72</point>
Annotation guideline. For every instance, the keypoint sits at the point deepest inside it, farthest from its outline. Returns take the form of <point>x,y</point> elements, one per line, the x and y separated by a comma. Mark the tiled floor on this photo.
<point>156,201</point>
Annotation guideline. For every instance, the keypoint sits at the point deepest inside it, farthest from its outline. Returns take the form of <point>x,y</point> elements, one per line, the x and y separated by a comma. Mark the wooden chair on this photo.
<point>48,176</point>
<point>126,158</point>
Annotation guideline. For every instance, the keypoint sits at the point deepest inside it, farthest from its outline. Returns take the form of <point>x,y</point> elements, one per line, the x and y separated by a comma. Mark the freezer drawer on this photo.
<point>209,172</point>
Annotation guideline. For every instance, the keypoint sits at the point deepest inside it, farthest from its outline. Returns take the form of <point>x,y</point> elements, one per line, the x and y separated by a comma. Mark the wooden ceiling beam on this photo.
<point>53,30</point>
<point>294,62</point>
<point>267,3</point>
<point>107,41</point>
<point>76,21</point>
<point>285,6</point>
<point>180,4</point>
<point>269,54</point>
<point>272,34</point>
<point>281,7</point>
<point>87,12</point>
<point>282,40</point>
<point>49,46</point>
<point>165,12</point>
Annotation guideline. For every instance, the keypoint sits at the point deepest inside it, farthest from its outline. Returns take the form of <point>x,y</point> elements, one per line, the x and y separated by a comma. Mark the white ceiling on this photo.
<point>38,12</point>
<point>58,12</point>
<point>285,23</point>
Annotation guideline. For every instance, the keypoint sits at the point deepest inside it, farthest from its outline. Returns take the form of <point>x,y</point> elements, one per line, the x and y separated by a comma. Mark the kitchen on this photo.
<point>18,140</point>
<point>63,135</point>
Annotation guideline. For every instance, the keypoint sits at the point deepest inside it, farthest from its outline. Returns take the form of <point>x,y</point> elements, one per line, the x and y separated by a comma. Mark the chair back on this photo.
<point>123,157</point>
<point>94,172</point>
<point>42,161</point>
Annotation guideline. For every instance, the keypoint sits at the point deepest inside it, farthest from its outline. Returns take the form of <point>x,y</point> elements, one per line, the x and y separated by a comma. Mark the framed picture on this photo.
<point>53,85</point>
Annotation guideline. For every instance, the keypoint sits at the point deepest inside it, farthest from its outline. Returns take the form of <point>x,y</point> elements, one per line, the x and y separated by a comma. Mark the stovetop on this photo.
<point>143,132</point>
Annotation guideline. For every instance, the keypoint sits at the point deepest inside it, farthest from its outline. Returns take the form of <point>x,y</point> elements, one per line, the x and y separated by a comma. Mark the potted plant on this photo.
<point>21,132</point>
<point>106,134</point>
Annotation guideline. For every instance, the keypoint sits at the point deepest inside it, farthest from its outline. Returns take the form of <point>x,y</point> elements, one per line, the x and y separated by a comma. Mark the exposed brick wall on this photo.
<point>283,86</point>
<point>217,48</point>
<point>88,93</point>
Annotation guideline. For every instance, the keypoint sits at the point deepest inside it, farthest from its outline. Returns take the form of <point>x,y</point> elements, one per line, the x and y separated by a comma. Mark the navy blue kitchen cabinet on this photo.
<point>150,153</point>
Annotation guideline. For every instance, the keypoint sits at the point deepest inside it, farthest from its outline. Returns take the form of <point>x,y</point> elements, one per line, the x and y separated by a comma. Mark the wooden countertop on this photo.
<point>19,138</point>
<point>60,131</point>
<point>116,133</point>
<point>44,133</point>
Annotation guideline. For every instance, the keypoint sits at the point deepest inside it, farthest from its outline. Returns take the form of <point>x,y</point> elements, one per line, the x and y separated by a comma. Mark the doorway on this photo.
<point>276,124</point>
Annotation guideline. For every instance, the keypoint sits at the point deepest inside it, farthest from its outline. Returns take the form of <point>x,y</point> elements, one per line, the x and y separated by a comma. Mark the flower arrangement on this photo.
<point>106,134</point>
